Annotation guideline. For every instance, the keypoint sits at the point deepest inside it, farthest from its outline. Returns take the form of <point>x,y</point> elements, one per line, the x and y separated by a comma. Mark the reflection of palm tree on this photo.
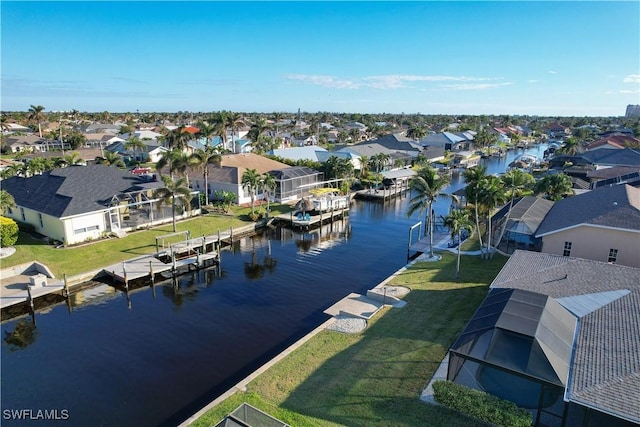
<point>24,334</point>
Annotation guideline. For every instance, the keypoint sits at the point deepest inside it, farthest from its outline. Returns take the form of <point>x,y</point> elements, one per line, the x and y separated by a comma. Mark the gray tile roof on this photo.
<point>71,191</point>
<point>605,372</point>
<point>528,211</point>
<point>616,207</point>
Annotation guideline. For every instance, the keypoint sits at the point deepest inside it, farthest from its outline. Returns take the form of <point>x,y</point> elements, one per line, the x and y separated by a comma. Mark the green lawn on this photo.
<point>88,257</point>
<point>374,378</point>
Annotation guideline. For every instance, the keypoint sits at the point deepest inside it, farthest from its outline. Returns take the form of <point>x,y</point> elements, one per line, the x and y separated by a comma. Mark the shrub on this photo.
<point>8,231</point>
<point>481,405</point>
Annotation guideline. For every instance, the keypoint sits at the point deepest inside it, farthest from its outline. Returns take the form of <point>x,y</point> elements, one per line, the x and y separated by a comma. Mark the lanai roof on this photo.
<point>605,370</point>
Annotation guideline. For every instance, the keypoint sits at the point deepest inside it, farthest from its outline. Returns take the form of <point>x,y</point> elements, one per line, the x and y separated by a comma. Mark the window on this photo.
<point>22,214</point>
<point>567,249</point>
<point>613,256</point>
<point>10,211</point>
<point>40,218</point>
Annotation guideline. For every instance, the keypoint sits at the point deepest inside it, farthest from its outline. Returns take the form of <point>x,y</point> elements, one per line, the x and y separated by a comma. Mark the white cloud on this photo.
<point>552,72</point>
<point>475,86</point>
<point>632,78</point>
<point>392,81</point>
<point>630,91</point>
<point>532,81</point>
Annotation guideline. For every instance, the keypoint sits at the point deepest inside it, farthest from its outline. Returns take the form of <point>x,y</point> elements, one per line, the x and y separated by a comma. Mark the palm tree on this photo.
<point>570,147</point>
<point>69,160</point>
<point>251,182</point>
<point>202,159</point>
<point>365,163</point>
<point>516,183</point>
<point>416,132</point>
<point>257,129</point>
<point>134,144</point>
<point>426,186</point>
<point>234,122</point>
<point>171,192</point>
<point>6,201</point>
<point>555,186</point>
<point>220,124</point>
<point>458,221</point>
<point>491,193</point>
<point>35,115</point>
<point>207,131</point>
<point>269,184</point>
<point>473,176</point>
<point>111,159</point>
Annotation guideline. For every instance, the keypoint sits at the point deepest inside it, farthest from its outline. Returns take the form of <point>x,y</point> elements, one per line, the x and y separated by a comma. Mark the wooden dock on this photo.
<point>381,194</point>
<point>150,266</point>
<point>312,221</point>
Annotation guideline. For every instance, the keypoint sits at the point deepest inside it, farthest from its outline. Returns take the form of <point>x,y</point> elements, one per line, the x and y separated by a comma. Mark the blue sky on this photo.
<point>508,57</point>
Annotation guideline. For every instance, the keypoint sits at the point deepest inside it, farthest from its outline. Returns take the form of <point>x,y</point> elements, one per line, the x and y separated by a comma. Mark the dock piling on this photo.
<point>30,298</point>
<point>66,285</point>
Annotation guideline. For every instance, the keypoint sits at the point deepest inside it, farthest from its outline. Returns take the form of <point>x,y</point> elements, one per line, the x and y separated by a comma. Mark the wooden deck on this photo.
<point>314,220</point>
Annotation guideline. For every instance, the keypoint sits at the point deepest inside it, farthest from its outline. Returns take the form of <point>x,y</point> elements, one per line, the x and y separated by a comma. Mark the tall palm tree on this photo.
<point>365,164</point>
<point>516,183</point>
<point>6,201</point>
<point>491,194</point>
<point>172,192</point>
<point>35,115</point>
<point>201,159</point>
<point>251,182</point>
<point>458,220</point>
<point>257,129</point>
<point>426,186</point>
<point>268,184</point>
<point>473,176</point>
<point>416,132</point>
<point>234,121</point>
<point>570,147</point>
<point>219,121</point>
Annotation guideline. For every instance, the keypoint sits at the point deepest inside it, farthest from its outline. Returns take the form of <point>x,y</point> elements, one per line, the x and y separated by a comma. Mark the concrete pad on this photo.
<point>355,305</point>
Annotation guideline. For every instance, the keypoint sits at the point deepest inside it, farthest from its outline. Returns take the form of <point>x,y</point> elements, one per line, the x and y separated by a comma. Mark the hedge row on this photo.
<point>481,405</point>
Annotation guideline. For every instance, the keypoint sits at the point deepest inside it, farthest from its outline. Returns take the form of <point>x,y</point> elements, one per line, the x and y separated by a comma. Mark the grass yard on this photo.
<point>102,253</point>
<point>374,378</point>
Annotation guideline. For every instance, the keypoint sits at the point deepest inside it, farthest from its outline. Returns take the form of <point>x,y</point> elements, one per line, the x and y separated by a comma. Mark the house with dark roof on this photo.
<point>82,203</point>
<point>560,337</point>
<point>447,141</point>
<point>601,224</point>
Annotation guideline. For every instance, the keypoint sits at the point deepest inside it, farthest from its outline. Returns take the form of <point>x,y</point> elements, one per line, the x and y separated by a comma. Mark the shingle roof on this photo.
<point>616,207</point>
<point>605,372</point>
<point>71,191</point>
<point>251,161</point>
<point>613,157</point>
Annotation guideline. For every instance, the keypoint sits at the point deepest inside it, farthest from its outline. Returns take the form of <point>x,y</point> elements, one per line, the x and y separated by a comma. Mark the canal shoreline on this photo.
<point>241,386</point>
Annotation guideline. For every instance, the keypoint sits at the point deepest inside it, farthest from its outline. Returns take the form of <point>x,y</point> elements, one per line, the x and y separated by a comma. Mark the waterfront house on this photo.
<point>26,143</point>
<point>228,176</point>
<point>615,141</point>
<point>560,337</point>
<point>601,224</point>
<point>447,141</point>
<point>82,203</point>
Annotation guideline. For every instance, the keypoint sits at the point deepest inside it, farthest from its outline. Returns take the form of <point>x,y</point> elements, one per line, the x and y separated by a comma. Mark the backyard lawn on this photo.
<point>91,256</point>
<point>374,378</point>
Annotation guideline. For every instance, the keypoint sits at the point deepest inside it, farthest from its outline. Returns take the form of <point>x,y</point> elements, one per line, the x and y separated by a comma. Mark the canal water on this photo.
<point>157,355</point>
